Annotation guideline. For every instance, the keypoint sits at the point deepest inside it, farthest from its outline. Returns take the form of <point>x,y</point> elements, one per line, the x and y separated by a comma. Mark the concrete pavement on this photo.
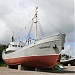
<point>68,70</point>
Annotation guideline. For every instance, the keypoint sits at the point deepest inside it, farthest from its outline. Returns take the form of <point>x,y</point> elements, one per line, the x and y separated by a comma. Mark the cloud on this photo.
<point>68,50</point>
<point>4,32</point>
<point>54,15</point>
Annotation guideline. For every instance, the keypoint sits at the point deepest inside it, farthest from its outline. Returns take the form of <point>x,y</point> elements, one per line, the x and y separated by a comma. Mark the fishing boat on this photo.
<point>43,53</point>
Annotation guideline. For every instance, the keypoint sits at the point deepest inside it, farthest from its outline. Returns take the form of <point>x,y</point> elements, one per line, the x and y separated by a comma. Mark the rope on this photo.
<point>41,30</point>
<point>29,33</point>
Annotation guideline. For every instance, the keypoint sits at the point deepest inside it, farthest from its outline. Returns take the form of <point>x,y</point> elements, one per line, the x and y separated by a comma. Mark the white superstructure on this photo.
<point>51,45</point>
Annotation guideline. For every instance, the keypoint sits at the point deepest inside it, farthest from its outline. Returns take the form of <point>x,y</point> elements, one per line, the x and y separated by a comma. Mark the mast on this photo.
<point>36,23</point>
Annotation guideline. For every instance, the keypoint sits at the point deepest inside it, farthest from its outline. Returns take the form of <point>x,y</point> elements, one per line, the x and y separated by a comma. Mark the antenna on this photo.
<point>12,39</point>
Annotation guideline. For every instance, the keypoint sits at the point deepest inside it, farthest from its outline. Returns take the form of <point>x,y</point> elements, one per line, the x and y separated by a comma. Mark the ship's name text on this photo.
<point>44,47</point>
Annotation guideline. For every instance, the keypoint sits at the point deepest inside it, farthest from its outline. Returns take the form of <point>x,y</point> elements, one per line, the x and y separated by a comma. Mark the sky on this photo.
<point>54,15</point>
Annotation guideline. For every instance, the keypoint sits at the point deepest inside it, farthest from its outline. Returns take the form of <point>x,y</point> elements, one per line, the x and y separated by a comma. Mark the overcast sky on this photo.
<point>54,15</point>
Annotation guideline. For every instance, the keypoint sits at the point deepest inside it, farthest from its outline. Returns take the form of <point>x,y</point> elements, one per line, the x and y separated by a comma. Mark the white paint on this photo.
<point>34,50</point>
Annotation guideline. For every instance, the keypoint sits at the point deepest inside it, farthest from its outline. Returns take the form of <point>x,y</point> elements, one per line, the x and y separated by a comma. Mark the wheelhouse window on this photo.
<point>18,45</point>
<point>14,45</point>
<point>21,46</point>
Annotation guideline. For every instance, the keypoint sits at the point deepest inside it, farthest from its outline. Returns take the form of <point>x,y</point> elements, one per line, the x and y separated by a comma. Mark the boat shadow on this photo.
<point>63,71</point>
<point>49,70</point>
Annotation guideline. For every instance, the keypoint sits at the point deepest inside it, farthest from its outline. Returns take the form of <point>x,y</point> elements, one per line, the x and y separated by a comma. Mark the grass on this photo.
<point>2,64</point>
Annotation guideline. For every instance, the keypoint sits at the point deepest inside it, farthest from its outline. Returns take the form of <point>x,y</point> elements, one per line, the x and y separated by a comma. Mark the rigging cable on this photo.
<point>29,33</point>
<point>18,33</point>
<point>41,30</point>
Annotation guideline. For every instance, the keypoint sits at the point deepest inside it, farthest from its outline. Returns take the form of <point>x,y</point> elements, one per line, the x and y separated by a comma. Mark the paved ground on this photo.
<point>70,70</point>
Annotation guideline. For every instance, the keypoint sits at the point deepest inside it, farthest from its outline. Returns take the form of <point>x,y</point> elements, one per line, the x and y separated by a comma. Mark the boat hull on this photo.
<point>34,61</point>
<point>42,53</point>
